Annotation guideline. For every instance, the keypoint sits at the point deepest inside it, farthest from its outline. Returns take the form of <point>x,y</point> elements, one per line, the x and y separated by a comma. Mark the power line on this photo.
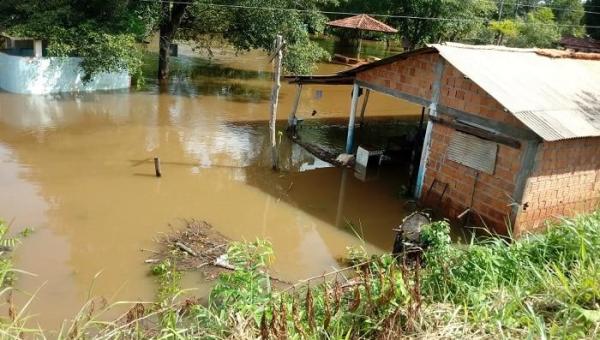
<point>565,9</point>
<point>520,4</point>
<point>393,16</point>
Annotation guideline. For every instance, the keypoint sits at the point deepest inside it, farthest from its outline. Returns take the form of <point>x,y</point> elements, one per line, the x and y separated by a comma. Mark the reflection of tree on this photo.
<point>193,77</point>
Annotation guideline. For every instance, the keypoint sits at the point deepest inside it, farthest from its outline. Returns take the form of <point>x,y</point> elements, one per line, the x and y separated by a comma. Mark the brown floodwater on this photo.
<point>77,169</point>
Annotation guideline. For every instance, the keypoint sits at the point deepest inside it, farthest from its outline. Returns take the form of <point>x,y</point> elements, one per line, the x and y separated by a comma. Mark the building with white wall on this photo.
<point>25,69</point>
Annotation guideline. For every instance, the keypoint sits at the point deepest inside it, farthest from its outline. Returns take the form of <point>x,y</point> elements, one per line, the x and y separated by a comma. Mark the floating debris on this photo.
<point>195,246</point>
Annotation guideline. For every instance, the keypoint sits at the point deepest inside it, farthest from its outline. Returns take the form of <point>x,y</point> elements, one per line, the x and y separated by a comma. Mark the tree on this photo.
<point>592,19</point>
<point>171,15</point>
<point>538,30</point>
<point>246,24</point>
<point>505,29</point>
<point>103,32</point>
<point>466,15</point>
<point>568,14</point>
<point>106,32</point>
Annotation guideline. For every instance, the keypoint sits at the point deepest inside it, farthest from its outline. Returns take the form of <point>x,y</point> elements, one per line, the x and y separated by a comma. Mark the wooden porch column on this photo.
<point>351,122</point>
<point>435,98</point>
<point>292,116</point>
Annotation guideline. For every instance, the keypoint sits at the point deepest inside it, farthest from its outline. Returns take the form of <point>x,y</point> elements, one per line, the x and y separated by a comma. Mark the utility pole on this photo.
<point>277,58</point>
<point>500,10</point>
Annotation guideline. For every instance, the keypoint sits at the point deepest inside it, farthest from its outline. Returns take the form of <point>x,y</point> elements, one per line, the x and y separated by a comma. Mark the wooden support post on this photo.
<point>364,107</point>
<point>292,118</point>
<point>528,165</point>
<point>275,98</point>
<point>351,122</point>
<point>435,98</point>
<point>157,167</point>
<point>360,37</point>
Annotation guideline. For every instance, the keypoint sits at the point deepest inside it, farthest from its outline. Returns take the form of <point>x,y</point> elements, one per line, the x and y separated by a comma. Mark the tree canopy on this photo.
<point>253,24</point>
<point>102,32</point>
<point>521,23</point>
<point>106,33</point>
<point>593,20</point>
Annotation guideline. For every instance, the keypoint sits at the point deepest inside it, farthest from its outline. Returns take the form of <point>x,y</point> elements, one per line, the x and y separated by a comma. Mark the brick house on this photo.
<point>513,135</point>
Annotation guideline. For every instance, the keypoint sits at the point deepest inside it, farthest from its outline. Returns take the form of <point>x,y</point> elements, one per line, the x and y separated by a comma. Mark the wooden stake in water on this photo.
<point>275,97</point>
<point>157,167</point>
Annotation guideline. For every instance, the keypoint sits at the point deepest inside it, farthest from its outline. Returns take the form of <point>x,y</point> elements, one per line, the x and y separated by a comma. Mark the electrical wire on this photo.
<point>565,9</point>
<point>393,16</point>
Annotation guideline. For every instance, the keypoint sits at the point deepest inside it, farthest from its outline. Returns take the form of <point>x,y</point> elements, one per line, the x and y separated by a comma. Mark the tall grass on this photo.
<point>546,285</point>
<point>541,286</point>
<point>13,324</point>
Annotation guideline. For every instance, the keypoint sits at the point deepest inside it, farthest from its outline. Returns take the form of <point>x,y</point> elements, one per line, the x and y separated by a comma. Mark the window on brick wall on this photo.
<point>472,151</point>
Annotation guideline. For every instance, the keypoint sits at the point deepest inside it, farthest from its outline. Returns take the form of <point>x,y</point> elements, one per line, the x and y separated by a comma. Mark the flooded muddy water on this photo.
<point>77,168</point>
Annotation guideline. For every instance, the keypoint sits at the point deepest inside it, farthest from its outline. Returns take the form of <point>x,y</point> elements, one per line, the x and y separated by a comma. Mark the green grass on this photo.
<point>545,285</point>
<point>541,286</point>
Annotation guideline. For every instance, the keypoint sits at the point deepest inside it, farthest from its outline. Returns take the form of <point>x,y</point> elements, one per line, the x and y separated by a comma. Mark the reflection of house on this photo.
<point>25,69</point>
<point>513,136</point>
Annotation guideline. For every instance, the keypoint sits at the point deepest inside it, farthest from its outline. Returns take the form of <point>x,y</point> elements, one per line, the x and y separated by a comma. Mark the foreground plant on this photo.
<point>545,285</point>
<point>542,286</point>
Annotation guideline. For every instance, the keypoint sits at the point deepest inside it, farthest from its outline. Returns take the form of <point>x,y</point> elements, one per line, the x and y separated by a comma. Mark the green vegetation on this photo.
<point>255,28</point>
<point>107,34</point>
<point>519,23</point>
<point>540,286</point>
<point>12,325</point>
<point>591,19</point>
<point>104,33</point>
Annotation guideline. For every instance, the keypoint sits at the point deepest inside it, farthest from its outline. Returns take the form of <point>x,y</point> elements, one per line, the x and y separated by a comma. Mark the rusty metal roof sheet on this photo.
<point>557,98</point>
<point>363,22</point>
<point>581,44</point>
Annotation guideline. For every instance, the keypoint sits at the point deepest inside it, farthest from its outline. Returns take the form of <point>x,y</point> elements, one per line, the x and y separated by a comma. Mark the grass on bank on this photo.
<point>541,286</point>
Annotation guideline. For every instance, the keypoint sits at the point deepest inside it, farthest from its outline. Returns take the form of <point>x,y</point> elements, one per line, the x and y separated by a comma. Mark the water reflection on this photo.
<point>77,168</point>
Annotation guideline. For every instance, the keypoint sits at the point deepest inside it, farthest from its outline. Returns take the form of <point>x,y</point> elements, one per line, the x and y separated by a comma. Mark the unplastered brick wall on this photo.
<point>461,93</point>
<point>565,182</point>
<point>413,76</point>
<point>457,187</point>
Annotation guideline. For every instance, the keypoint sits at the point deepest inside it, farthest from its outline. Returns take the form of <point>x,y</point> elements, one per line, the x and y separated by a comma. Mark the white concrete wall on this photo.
<point>53,75</point>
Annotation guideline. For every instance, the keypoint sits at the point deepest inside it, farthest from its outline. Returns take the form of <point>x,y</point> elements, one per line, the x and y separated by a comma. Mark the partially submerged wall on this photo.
<point>449,186</point>
<point>565,182</point>
<point>53,75</point>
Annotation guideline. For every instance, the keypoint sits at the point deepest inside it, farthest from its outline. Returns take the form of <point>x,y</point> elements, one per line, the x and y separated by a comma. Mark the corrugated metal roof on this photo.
<point>557,98</point>
<point>554,93</point>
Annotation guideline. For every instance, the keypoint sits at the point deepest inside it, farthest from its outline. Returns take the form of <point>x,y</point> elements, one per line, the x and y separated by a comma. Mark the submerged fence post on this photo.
<point>157,167</point>
<point>275,98</point>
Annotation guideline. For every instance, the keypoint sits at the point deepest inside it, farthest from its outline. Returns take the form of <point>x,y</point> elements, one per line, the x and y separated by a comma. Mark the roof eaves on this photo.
<point>388,60</point>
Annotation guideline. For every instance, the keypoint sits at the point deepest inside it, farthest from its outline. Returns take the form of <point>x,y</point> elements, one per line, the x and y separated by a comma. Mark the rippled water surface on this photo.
<point>77,168</point>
